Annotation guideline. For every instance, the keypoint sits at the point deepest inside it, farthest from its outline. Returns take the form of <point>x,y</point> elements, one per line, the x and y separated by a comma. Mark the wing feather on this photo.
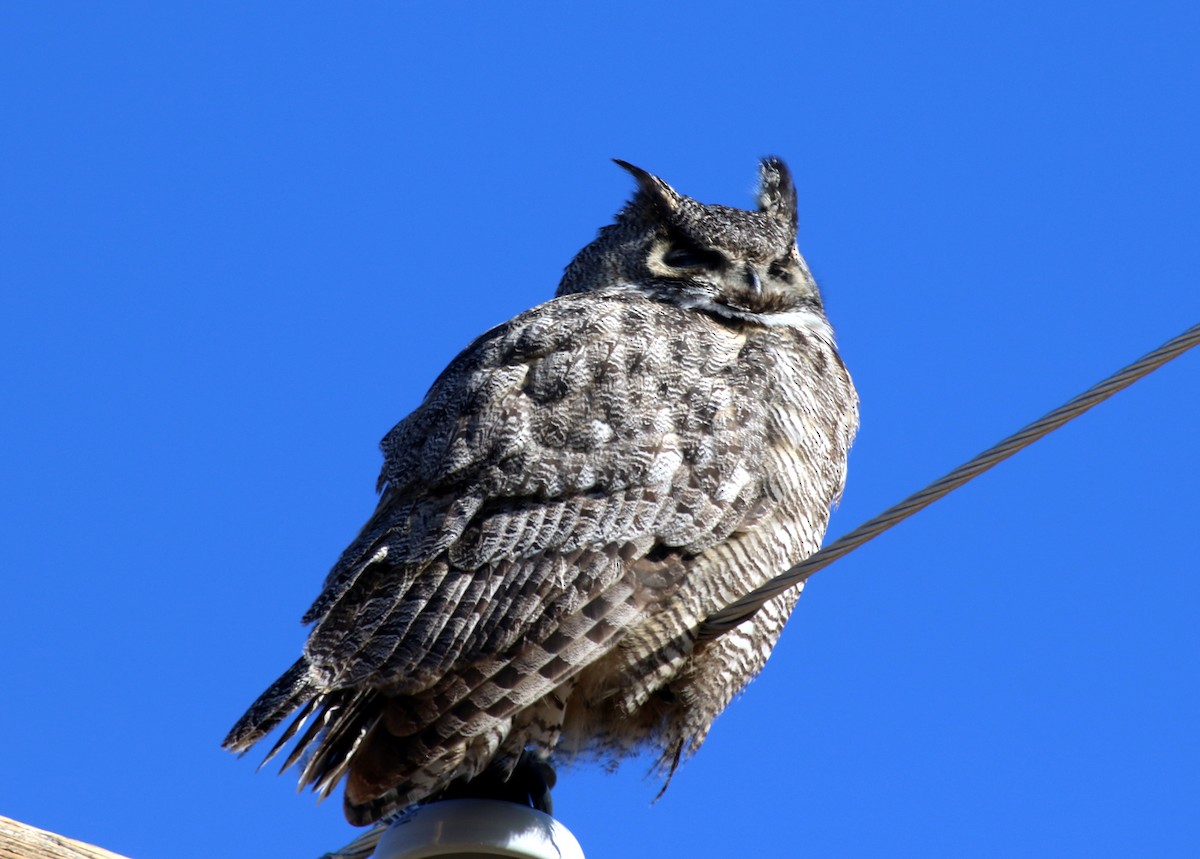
<point>545,462</point>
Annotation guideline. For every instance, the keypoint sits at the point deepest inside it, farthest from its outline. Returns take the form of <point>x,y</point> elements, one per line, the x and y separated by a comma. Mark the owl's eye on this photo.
<point>687,255</point>
<point>780,271</point>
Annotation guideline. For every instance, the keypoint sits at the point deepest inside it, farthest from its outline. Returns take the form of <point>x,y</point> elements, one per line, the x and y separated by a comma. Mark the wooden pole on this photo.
<point>21,841</point>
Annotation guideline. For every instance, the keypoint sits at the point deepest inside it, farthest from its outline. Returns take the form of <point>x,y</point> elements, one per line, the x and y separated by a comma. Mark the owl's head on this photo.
<point>731,262</point>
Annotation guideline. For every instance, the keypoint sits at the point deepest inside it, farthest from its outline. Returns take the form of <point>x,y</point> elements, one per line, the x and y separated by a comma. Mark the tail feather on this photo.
<point>294,688</point>
<point>290,731</point>
<point>330,724</point>
<point>345,722</point>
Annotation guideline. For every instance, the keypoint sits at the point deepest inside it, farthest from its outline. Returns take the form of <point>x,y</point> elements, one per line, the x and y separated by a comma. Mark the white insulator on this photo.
<point>477,828</point>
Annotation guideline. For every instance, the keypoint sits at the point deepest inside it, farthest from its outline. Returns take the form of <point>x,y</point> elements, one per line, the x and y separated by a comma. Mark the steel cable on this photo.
<point>720,622</point>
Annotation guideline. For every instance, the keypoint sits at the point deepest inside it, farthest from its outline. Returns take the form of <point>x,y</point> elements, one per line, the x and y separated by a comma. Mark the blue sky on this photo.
<point>238,241</point>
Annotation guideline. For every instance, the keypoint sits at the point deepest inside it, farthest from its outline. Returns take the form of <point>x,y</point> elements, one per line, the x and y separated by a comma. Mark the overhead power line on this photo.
<point>720,622</point>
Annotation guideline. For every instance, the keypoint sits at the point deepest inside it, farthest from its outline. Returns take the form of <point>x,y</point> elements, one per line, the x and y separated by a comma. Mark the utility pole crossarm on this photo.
<point>21,841</point>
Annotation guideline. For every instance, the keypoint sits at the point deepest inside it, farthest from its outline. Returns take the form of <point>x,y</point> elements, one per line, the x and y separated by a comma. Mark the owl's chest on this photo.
<point>795,391</point>
<point>807,413</point>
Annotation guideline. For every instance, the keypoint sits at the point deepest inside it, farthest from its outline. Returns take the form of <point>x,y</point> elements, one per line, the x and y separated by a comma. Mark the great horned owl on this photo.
<point>578,490</point>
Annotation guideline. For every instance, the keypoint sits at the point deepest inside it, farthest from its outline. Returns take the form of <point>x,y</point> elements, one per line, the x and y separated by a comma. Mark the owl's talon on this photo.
<point>528,783</point>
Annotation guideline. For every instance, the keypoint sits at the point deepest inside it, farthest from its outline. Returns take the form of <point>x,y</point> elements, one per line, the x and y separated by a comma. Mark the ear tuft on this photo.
<point>658,192</point>
<point>776,191</point>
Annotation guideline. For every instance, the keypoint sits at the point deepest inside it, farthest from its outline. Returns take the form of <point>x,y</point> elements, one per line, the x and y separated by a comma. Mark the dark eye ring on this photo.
<point>681,255</point>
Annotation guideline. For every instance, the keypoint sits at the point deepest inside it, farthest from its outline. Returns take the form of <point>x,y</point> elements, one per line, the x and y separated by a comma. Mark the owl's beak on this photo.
<point>752,280</point>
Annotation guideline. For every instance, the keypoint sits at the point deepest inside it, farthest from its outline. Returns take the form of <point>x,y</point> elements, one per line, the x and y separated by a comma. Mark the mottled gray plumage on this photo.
<point>579,489</point>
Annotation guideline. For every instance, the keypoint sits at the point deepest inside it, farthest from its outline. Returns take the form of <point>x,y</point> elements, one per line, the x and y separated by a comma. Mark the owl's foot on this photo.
<point>528,783</point>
